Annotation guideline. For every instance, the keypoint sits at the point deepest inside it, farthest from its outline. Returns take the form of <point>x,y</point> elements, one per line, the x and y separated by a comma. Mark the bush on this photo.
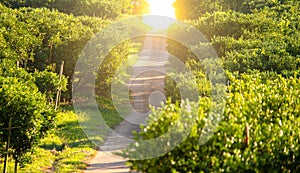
<point>269,109</point>
<point>266,39</point>
<point>29,112</point>
<point>194,82</point>
<point>48,83</point>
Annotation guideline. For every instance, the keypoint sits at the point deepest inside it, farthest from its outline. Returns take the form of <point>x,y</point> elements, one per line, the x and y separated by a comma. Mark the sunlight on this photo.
<point>160,8</point>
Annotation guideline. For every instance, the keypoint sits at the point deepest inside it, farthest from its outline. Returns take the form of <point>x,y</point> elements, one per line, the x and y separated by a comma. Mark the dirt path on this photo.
<point>146,87</point>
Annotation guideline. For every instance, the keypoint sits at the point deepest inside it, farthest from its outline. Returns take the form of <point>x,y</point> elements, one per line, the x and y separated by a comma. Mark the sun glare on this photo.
<point>162,7</point>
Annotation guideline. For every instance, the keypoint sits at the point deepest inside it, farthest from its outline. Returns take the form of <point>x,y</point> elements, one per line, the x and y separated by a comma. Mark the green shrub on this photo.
<point>270,110</point>
<point>29,111</point>
<point>265,39</point>
<point>48,83</point>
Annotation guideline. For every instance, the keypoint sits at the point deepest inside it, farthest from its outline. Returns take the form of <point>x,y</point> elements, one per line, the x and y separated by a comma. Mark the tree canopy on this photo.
<point>30,113</point>
<point>109,9</point>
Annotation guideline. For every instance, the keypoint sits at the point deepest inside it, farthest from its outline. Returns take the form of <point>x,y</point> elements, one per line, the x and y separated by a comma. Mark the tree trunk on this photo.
<point>16,165</point>
<point>50,53</point>
<point>59,90</point>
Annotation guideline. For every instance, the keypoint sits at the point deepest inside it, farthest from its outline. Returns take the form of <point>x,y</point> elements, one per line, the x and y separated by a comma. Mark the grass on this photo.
<point>67,147</point>
<point>73,141</point>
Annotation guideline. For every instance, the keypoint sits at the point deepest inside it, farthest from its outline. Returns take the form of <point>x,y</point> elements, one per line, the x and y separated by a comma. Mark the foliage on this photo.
<point>108,68</point>
<point>176,84</point>
<point>140,7</point>
<point>193,9</point>
<point>256,39</point>
<point>56,37</point>
<point>114,67</point>
<point>29,111</point>
<point>101,8</point>
<point>265,39</point>
<point>269,107</point>
<point>62,35</point>
<point>50,37</point>
<point>49,83</point>
<point>17,39</point>
<point>10,70</point>
<point>65,149</point>
<point>262,41</point>
<point>63,38</point>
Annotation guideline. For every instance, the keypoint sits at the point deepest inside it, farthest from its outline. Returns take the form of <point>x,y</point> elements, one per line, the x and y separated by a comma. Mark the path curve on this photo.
<point>147,81</point>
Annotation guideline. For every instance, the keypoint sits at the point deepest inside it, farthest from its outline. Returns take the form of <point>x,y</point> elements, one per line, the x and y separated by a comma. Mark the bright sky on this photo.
<point>162,7</point>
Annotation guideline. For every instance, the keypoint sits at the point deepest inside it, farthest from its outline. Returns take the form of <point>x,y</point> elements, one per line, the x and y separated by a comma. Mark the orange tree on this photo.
<point>267,104</point>
<point>21,100</point>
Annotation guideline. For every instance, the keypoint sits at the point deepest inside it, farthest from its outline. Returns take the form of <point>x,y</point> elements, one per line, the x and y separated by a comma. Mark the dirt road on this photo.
<point>146,86</point>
